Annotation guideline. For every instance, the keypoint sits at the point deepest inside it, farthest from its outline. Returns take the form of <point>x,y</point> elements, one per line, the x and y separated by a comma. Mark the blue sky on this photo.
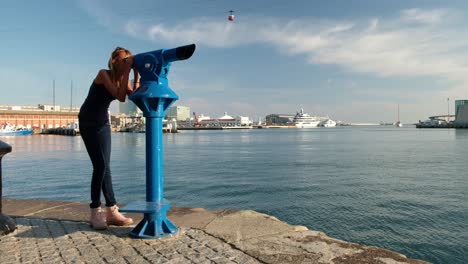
<point>352,60</point>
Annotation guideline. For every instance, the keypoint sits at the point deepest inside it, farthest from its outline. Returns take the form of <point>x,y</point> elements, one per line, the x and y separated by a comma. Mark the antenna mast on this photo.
<point>71,96</point>
<point>53,99</point>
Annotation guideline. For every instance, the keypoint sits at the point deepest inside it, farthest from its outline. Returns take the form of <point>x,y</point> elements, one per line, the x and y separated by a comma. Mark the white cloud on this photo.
<point>202,31</point>
<point>424,16</point>
<point>381,47</point>
<point>393,53</point>
<point>412,43</point>
<point>374,23</point>
<point>102,13</point>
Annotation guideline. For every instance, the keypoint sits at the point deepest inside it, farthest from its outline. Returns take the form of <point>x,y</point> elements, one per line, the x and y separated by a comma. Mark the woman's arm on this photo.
<point>137,78</point>
<point>136,83</point>
<point>115,89</point>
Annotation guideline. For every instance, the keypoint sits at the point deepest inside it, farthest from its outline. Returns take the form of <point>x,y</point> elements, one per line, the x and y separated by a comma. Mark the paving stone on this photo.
<point>223,261</point>
<point>157,259</point>
<point>186,251</point>
<point>201,261</point>
<point>167,251</point>
<point>179,261</point>
<point>6,258</point>
<point>73,260</point>
<point>209,253</point>
<point>114,260</point>
<point>53,241</point>
<point>136,259</point>
<point>174,256</point>
<point>146,250</point>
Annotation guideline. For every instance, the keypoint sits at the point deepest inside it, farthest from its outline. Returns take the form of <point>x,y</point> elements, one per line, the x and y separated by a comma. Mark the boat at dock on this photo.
<point>9,130</point>
<point>237,127</point>
<point>328,123</point>
<point>398,123</point>
<point>200,128</point>
<point>215,127</point>
<point>61,131</point>
<point>304,120</point>
<point>167,127</point>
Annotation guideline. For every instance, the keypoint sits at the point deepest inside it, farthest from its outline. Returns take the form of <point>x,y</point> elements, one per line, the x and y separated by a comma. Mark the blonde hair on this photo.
<point>114,54</point>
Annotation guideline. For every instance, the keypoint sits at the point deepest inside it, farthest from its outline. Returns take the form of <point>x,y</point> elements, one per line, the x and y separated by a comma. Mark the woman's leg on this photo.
<point>107,188</point>
<point>114,217</point>
<point>97,142</point>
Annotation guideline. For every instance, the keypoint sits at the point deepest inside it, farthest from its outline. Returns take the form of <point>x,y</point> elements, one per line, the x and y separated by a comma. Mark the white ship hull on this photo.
<point>303,120</point>
<point>328,123</point>
<point>307,124</point>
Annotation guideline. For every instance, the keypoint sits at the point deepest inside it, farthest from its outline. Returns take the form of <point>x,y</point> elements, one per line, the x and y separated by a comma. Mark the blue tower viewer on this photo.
<point>153,98</point>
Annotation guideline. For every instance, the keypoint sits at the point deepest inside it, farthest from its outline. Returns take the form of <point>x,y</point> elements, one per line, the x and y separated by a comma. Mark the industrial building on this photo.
<point>129,108</point>
<point>459,120</point>
<point>225,121</point>
<point>461,113</point>
<point>178,112</point>
<point>40,116</point>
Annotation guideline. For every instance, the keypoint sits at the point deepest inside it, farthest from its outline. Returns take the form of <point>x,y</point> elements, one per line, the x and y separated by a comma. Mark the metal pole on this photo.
<point>448,110</point>
<point>154,160</point>
<point>71,95</point>
<point>54,94</point>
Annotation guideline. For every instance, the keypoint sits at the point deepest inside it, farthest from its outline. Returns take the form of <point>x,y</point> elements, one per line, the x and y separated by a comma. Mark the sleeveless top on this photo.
<point>94,110</point>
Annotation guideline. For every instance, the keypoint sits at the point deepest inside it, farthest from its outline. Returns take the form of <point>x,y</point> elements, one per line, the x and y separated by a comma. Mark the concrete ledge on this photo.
<point>244,225</point>
<point>260,238</point>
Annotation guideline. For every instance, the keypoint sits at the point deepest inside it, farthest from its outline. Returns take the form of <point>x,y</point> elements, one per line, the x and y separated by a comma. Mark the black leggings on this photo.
<point>97,140</point>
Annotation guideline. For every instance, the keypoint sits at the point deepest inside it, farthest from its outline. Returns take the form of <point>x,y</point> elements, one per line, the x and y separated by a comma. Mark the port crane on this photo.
<point>195,119</point>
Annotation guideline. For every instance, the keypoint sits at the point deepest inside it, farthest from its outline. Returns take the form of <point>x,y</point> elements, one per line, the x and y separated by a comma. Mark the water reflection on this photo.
<point>390,187</point>
<point>461,134</point>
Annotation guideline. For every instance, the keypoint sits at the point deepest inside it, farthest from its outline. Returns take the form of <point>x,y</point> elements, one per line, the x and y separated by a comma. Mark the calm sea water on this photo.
<point>403,189</point>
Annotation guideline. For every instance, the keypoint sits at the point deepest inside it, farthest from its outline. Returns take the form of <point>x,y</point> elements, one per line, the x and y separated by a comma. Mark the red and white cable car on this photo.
<point>231,16</point>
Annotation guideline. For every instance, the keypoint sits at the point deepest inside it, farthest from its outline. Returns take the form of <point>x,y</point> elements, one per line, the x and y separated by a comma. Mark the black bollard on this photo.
<point>7,225</point>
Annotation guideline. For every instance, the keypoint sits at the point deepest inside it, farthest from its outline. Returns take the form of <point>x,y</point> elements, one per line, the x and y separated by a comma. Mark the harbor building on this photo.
<point>129,108</point>
<point>278,119</point>
<point>227,121</point>
<point>129,116</point>
<point>459,120</point>
<point>461,113</point>
<point>40,116</point>
<point>178,112</point>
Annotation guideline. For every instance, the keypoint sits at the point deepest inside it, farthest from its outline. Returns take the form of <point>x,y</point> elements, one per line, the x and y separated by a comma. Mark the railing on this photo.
<point>7,225</point>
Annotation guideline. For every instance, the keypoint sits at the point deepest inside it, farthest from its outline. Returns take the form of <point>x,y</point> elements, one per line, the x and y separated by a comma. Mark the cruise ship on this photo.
<point>304,120</point>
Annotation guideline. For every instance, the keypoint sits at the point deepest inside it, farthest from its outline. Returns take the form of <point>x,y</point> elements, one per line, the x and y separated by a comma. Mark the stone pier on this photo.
<point>57,232</point>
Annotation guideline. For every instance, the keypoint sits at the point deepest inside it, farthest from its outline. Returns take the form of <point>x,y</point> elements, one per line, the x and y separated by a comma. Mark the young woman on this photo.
<point>95,130</point>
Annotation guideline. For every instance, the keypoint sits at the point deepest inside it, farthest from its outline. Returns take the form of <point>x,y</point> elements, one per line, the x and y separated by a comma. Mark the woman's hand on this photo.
<point>123,66</point>
<point>114,87</point>
<point>136,82</point>
<point>136,79</point>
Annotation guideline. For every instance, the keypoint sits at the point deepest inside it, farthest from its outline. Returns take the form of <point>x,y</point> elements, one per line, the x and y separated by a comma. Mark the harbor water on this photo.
<point>403,189</point>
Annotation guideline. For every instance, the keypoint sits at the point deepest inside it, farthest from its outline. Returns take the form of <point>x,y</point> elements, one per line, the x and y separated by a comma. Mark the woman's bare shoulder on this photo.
<point>101,75</point>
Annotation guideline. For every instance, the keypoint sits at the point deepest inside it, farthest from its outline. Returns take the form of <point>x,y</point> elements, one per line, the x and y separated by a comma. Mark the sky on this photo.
<point>353,60</point>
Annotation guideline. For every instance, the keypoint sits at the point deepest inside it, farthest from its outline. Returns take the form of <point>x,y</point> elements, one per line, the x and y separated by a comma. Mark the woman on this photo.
<point>96,133</point>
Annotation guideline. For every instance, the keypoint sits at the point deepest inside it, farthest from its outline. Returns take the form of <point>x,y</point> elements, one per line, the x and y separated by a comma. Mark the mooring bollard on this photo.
<point>153,97</point>
<point>7,225</point>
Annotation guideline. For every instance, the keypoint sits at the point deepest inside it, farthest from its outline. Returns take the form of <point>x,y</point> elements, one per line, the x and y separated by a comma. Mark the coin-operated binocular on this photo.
<point>153,97</point>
